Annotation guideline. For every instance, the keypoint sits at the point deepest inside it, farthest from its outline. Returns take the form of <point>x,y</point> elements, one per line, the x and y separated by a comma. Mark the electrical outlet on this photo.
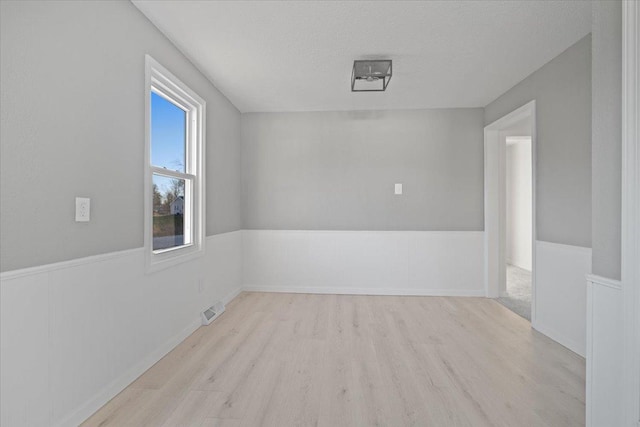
<point>83,209</point>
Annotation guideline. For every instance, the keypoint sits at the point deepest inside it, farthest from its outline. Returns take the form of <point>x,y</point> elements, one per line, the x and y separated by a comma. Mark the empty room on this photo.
<point>319,213</point>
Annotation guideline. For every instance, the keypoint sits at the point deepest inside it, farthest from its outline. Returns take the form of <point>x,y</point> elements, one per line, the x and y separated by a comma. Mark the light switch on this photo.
<point>83,209</point>
<point>398,189</point>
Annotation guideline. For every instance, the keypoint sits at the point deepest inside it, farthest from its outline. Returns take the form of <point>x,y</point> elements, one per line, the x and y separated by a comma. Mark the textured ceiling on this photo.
<point>297,56</point>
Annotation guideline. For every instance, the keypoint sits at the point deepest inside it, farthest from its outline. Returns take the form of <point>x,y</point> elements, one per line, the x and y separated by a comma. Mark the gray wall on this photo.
<point>72,124</point>
<point>562,90</point>
<point>607,137</point>
<point>336,170</point>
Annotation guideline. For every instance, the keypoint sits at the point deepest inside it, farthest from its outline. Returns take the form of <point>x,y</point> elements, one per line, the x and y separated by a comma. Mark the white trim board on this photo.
<point>364,262</point>
<point>346,290</point>
<point>604,281</point>
<point>117,385</point>
<point>577,347</point>
<point>61,265</point>
<point>566,248</point>
<point>495,203</point>
<point>631,209</point>
<point>29,271</point>
<point>604,351</point>
<point>120,383</point>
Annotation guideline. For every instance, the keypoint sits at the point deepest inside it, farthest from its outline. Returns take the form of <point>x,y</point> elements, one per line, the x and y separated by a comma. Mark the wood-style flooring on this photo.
<point>339,360</point>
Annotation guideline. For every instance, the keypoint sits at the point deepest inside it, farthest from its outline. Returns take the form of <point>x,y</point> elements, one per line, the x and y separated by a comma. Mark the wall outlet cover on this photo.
<point>83,209</point>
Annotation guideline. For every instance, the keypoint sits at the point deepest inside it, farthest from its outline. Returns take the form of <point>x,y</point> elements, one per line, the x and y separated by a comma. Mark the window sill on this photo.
<point>171,257</point>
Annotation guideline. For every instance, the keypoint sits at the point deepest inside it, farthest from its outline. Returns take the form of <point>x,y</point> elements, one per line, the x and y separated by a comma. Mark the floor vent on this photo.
<point>212,313</point>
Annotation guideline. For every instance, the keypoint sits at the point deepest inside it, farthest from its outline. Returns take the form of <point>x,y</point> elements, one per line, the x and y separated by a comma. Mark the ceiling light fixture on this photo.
<point>371,75</point>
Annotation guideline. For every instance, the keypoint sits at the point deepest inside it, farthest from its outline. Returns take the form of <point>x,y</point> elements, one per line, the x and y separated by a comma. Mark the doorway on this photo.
<point>519,214</point>
<point>510,211</point>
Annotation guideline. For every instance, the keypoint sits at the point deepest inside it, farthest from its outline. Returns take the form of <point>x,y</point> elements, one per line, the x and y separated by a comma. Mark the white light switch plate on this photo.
<point>83,209</point>
<point>398,189</point>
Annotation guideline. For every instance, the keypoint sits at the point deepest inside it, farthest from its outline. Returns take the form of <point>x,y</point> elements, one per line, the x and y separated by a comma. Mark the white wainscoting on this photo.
<point>74,334</point>
<point>605,352</point>
<point>365,262</point>
<point>561,294</point>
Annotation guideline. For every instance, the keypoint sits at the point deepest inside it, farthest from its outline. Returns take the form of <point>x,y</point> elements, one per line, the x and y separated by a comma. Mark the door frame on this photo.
<point>631,209</point>
<point>495,202</point>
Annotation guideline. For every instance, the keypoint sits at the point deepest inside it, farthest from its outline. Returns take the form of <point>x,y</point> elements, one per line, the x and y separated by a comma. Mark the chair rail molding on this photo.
<point>604,281</point>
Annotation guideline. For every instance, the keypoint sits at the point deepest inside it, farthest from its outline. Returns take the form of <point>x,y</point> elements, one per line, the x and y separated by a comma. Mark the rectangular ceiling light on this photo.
<point>370,75</point>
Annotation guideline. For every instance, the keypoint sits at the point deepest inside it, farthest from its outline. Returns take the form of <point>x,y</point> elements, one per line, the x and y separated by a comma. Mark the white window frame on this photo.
<point>161,81</point>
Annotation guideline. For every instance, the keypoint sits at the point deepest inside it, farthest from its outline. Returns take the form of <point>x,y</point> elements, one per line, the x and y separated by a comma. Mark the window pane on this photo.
<point>168,212</point>
<point>168,134</point>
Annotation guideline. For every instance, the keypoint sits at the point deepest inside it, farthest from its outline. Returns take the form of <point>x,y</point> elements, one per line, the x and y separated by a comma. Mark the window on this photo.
<point>174,169</point>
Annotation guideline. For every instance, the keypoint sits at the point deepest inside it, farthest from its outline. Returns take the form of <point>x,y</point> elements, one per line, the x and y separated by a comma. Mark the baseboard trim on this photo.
<point>398,232</point>
<point>122,382</point>
<point>365,291</point>
<point>559,338</point>
<point>232,295</point>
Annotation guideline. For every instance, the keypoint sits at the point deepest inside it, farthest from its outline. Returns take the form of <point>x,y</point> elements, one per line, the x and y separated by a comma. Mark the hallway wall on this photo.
<point>562,91</point>
<point>519,203</point>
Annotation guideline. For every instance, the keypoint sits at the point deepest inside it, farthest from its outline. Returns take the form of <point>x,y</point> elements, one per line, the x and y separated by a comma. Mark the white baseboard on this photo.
<point>132,374</point>
<point>364,262</point>
<point>576,347</point>
<point>345,290</point>
<point>76,333</point>
<point>231,296</point>
<point>120,383</point>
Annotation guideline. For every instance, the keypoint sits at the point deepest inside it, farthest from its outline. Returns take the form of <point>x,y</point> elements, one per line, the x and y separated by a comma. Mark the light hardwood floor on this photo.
<point>338,360</point>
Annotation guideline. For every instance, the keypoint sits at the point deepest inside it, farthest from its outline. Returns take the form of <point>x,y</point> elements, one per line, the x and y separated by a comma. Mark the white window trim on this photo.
<point>162,80</point>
